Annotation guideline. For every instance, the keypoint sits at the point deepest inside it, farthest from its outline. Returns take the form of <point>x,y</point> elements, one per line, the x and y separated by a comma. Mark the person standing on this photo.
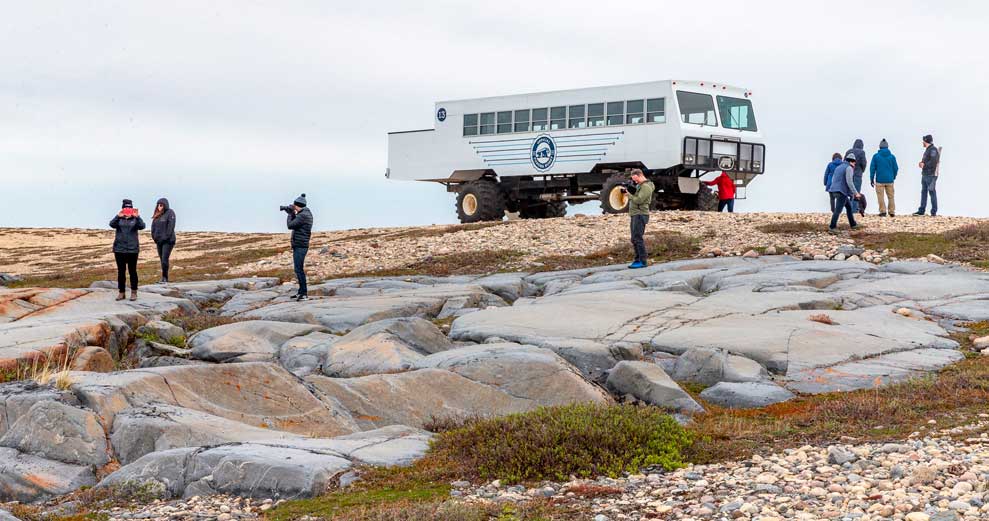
<point>300,221</point>
<point>828,172</point>
<point>163,233</point>
<point>843,186</point>
<point>726,191</point>
<point>882,175</point>
<point>639,199</point>
<point>126,246</point>
<point>928,175</point>
<point>858,148</point>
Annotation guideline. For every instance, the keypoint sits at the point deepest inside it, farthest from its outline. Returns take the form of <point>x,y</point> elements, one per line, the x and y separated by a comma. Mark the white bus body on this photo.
<point>536,147</point>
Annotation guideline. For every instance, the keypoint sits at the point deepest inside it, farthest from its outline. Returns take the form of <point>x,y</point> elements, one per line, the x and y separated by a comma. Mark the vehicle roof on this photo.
<point>695,83</point>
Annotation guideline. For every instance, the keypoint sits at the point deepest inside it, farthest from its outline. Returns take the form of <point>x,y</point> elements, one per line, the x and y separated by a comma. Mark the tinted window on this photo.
<point>470,124</point>
<point>521,120</point>
<point>557,118</point>
<point>633,112</point>
<point>656,110</point>
<point>595,115</point>
<point>736,113</point>
<point>539,119</point>
<point>577,119</point>
<point>696,108</point>
<point>616,112</point>
<point>487,123</point>
<point>505,122</point>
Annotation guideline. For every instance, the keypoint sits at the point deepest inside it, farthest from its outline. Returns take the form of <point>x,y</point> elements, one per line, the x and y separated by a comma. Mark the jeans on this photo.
<point>726,203</point>
<point>299,261</point>
<point>928,183</point>
<point>857,181</point>
<point>164,252</point>
<point>834,198</point>
<point>842,202</point>
<point>638,226</point>
<point>126,262</point>
<point>885,191</point>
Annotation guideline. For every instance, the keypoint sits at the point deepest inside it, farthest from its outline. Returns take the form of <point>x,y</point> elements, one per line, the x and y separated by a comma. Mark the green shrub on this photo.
<point>556,442</point>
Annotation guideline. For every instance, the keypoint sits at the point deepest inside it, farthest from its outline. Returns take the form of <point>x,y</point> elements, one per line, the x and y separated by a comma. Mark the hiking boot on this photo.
<point>133,295</point>
<point>891,214</point>
<point>882,214</point>
<point>855,226</point>
<point>917,213</point>
<point>303,298</point>
<point>636,265</point>
<point>121,296</point>
<point>833,231</point>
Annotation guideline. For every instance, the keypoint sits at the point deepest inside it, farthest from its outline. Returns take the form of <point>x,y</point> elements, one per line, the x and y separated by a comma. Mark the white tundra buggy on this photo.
<point>535,153</point>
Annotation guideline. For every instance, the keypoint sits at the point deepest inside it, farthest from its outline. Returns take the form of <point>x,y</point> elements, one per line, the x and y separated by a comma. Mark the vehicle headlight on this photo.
<point>688,159</point>
<point>757,165</point>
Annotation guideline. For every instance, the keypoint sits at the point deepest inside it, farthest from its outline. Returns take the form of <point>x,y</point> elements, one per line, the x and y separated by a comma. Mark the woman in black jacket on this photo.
<point>163,233</point>
<point>127,222</point>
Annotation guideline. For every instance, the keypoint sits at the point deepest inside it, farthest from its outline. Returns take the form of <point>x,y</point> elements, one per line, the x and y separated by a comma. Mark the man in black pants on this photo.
<point>300,222</point>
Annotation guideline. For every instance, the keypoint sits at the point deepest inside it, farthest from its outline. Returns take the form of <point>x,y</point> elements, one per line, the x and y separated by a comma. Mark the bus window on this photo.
<point>487,123</point>
<point>470,124</point>
<point>656,110</point>
<point>736,113</point>
<point>595,115</point>
<point>539,119</point>
<point>616,112</point>
<point>505,122</point>
<point>521,120</point>
<point>577,119</point>
<point>633,112</point>
<point>696,108</point>
<point>557,118</point>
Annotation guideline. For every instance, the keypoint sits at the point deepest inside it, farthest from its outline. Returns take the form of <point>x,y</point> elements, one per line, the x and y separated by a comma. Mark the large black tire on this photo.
<point>542,210</point>
<point>612,200</point>
<point>707,201</point>
<point>481,200</point>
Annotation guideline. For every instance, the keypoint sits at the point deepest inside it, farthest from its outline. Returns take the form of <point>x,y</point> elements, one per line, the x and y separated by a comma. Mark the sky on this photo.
<point>232,108</point>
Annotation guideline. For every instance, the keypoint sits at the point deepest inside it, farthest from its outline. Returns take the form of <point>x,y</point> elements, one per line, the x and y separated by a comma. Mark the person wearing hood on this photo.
<point>858,148</point>
<point>882,174</point>
<point>726,191</point>
<point>126,246</point>
<point>828,173</point>
<point>928,175</point>
<point>300,221</point>
<point>843,186</point>
<point>163,233</point>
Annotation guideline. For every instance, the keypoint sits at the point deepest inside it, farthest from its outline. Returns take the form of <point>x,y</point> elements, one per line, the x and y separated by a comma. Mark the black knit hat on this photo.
<point>929,139</point>
<point>127,204</point>
<point>301,201</point>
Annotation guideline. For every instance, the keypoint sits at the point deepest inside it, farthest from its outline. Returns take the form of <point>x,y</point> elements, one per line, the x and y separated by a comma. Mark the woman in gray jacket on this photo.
<point>126,246</point>
<point>163,233</point>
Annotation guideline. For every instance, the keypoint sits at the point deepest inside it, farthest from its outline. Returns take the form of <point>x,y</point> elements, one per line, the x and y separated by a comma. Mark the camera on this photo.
<point>287,209</point>
<point>630,187</point>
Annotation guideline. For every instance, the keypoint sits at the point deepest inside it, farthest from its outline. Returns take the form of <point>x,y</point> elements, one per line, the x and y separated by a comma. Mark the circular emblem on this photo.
<point>543,152</point>
<point>441,114</point>
<point>726,162</point>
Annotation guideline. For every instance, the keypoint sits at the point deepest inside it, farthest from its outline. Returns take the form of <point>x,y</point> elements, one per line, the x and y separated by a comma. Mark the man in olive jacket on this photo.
<point>300,222</point>
<point>639,199</point>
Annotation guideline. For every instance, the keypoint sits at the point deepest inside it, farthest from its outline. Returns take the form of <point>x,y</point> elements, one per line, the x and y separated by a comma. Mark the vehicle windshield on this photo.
<point>696,108</point>
<point>736,113</point>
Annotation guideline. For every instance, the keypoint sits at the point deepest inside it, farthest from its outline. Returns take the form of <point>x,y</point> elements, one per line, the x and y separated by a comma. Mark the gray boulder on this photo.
<point>60,432</point>
<point>710,366</point>
<point>162,330</point>
<point>386,346</point>
<point>745,395</point>
<point>4,515</point>
<point>304,355</point>
<point>27,478</point>
<point>250,341</point>
<point>649,383</point>
<point>527,372</point>
<point>17,398</point>
<point>166,361</point>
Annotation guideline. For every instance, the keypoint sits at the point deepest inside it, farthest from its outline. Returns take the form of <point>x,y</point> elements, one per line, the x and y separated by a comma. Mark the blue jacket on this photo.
<point>829,171</point>
<point>883,168</point>
<point>841,180</point>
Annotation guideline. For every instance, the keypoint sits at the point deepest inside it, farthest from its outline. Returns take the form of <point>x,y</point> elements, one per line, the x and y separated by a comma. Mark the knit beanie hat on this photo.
<point>127,204</point>
<point>301,201</point>
<point>929,139</point>
<point>883,144</point>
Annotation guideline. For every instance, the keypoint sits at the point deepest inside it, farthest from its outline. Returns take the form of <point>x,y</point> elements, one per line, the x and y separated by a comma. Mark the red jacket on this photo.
<point>725,184</point>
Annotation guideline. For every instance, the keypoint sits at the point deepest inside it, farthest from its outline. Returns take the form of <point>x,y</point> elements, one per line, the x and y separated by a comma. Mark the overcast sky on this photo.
<point>231,108</point>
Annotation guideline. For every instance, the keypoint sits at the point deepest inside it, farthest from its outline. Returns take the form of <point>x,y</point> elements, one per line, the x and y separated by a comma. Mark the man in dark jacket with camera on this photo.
<point>639,191</point>
<point>300,222</point>
<point>928,176</point>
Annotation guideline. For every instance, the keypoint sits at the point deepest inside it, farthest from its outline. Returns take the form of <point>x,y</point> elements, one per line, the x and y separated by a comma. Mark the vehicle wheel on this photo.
<point>613,200</point>
<point>481,200</point>
<point>542,209</point>
<point>707,201</point>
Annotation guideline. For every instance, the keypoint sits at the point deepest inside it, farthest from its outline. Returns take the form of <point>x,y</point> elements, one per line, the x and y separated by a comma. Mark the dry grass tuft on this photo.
<point>823,318</point>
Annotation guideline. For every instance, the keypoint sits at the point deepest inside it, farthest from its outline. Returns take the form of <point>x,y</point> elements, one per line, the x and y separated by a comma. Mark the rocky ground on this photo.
<point>47,251</point>
<point>203,393</point>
